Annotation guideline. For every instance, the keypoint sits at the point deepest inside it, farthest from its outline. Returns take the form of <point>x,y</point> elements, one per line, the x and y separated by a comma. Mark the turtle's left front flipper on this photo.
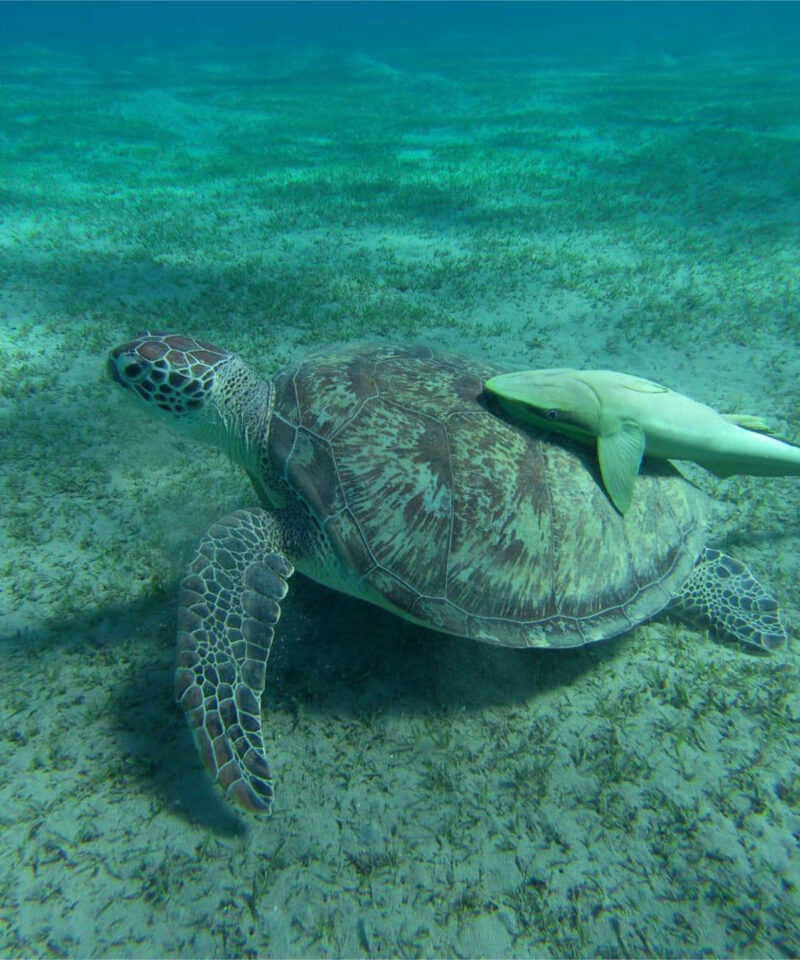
<point>228,606</point>
<point>721,593</point>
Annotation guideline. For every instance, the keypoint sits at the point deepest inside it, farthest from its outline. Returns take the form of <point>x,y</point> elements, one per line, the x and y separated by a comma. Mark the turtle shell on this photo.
<point>444,510</point>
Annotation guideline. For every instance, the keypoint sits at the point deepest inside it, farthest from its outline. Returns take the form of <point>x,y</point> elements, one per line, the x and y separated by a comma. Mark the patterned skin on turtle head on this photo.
<point>176,373</point>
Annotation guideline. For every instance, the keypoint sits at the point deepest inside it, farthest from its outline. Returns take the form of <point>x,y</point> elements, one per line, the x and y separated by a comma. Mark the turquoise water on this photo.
<point>593,186</point>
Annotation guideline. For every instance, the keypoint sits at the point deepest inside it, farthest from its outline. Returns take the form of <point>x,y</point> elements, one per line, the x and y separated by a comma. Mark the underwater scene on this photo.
<point>436,194</point>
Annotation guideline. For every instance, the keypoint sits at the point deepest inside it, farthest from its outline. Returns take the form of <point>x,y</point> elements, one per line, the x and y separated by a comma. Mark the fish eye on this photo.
<point>551,415</point>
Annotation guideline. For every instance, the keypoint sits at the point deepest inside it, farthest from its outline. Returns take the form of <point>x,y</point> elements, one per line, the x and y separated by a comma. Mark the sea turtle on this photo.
<point>383,471</point>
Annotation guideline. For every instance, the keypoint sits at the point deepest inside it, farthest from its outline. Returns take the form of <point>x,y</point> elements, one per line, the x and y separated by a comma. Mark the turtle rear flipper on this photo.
<point>228,605</point>
<point>721,593</point>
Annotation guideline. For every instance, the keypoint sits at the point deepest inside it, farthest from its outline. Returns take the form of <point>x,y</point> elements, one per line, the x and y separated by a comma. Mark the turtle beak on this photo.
<point>112,369</point>
<point>125,366</point>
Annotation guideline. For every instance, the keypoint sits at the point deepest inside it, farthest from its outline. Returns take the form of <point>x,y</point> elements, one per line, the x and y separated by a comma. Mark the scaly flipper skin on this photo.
<point>228,605</point>
<point>721,593</point>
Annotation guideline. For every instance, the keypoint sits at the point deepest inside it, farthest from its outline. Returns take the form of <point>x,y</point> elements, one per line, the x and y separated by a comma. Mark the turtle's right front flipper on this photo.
<point>228,606</point>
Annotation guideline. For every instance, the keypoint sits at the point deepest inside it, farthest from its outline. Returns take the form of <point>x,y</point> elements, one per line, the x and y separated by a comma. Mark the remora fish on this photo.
<point>629,417</point>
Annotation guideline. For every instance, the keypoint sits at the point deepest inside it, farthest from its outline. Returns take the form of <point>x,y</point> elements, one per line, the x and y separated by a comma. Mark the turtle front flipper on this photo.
<point>228,605</point>
<point>721,593</point>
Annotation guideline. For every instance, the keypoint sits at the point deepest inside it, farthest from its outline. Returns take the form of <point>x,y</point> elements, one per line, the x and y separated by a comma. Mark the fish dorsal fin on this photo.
<point>639,384</point>
<point>620,453</point>
<point>757,425</point>
<point>747,422</point>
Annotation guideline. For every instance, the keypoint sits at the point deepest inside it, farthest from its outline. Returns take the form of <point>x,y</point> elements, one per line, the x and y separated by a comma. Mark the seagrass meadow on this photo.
<point>601,187</point>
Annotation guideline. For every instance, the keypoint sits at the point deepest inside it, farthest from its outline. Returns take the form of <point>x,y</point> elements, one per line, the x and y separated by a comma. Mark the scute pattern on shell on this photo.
<point>464,520</point>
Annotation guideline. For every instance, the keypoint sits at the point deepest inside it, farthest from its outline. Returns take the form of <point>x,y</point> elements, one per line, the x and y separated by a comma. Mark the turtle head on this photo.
<point>210,392</point>
<point>171,373</point>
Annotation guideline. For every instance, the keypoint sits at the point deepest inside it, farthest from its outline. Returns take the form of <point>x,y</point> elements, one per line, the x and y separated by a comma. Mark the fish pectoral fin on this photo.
<point>756,424</point>
<point>620,454</point>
